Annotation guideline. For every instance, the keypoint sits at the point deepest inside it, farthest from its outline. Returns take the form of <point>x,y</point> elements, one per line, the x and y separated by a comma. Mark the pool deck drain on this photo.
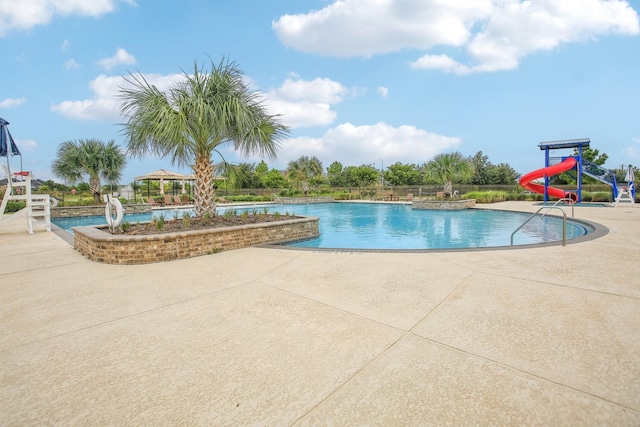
<point>260,336</point>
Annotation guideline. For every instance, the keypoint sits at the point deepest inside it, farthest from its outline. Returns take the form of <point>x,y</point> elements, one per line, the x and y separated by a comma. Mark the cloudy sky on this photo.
<point>357,81</point>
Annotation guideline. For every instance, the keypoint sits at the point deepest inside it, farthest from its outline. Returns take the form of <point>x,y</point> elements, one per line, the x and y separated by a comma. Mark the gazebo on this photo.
<point>165,175</point>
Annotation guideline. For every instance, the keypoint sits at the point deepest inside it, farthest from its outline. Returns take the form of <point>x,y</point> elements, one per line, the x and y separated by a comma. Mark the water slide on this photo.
<point>526,180</point>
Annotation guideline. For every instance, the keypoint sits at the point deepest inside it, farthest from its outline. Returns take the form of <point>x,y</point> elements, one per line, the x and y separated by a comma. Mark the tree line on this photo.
<point>309,171</point>
<point>213,108</point>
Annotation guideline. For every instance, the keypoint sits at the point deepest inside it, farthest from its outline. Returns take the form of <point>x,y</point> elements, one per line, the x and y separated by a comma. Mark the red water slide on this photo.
<point>568,164</point>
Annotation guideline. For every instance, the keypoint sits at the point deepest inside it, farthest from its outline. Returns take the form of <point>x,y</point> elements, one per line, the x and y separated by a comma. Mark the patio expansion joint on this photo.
<point>524,372</point>
<point>365,367</point>
<point>121,318</point>
<point>355,375</point>
<point>542,282</point>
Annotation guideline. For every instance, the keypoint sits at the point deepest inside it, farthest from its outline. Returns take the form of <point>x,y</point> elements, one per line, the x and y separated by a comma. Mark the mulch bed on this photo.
<point>218,221</point>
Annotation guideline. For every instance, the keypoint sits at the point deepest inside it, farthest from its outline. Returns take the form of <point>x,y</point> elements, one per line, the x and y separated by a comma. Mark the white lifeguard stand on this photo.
<point>38,206</point>
<point>628,193</point>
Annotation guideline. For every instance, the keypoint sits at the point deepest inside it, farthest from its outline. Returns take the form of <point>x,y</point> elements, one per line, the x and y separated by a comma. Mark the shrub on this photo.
<point>15,206</point>
<point>586,197</point>
<point>229,213</point>
<point>343,195</point>
<point>486,196</point>
<point>601,196</point>
<point>159,222</point>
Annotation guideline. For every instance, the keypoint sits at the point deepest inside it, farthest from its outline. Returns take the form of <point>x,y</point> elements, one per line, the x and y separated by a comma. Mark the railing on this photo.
<point>564,223</point>
<point>570,201</point>
<point>276,199</point>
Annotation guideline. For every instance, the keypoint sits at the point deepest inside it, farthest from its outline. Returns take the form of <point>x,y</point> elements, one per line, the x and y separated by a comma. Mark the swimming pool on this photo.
<point>394,226</point>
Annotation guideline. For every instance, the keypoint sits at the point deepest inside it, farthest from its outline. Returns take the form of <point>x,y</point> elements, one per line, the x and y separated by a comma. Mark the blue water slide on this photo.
<point>601,174</point>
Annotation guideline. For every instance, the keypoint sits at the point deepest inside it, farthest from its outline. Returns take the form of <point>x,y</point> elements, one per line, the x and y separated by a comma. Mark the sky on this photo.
<point>356,81</point>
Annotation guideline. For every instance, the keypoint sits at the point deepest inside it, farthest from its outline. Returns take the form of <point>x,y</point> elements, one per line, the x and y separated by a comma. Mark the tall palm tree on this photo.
<point>194,118</point>
<point>303,169</point>
<point>92,158</point>
<point>447,168</point>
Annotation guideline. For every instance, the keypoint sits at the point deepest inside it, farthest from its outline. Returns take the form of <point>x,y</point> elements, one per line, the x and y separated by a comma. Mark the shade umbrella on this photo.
<point>631,178</point>
<point>7,144</point>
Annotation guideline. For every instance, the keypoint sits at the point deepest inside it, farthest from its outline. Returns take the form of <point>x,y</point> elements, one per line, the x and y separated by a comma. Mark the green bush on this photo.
<point>586,197</point>
<point>344,195</point>
<point>14,206</point>
<point>486,196</point>
<point>248,198</point>
<point>601,196</point>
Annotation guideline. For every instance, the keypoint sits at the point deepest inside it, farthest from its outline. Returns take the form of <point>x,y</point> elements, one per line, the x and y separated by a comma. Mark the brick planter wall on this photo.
<point>75,211</point>
<point>99,245</point>
<point>449,205</point>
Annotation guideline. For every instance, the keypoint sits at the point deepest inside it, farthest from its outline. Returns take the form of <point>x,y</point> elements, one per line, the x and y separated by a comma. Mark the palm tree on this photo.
<point>92,158</point>
<point>194,118</point>
<point>303,169</point>
<point>447,168</point>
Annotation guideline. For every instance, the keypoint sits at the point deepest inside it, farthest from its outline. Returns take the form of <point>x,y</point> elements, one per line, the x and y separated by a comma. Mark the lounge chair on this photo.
<point>167,200</point>
<point>151,201</point>
<point>410,197</point>
<point>176,200</point>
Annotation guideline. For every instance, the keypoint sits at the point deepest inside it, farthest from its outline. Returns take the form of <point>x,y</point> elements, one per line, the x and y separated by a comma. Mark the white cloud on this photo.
<point>70,63</point>
<point>305,103</point>
<point>12,102</point>
<point>105,105</point>
<point>25,14</point>
<point>121,57</point>
<point>632,152</point>
<point>65,45</point>
<point>364,27</point>
<point>383,91</point>
<point>439,62</point>
<point>357,145</point>
<point>491,35</point>
<point>26,145</point>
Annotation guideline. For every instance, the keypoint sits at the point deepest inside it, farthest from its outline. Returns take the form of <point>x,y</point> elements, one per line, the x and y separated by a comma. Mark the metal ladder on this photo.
<point>277,199</point>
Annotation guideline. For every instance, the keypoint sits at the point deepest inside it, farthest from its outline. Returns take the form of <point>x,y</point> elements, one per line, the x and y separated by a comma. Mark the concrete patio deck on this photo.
<point>276,337</point>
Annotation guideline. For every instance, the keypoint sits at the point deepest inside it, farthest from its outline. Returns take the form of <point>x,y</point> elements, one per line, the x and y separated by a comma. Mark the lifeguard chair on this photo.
<point>38,206</point>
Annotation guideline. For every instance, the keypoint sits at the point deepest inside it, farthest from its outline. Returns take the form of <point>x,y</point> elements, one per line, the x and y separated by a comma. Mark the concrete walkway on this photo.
<point>274,337</point>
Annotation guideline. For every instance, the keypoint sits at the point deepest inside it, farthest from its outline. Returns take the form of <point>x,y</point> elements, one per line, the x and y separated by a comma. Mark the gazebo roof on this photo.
<point>165,174</point>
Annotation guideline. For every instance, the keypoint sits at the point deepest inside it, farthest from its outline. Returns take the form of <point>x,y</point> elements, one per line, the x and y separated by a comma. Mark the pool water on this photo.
<point>392,226</point>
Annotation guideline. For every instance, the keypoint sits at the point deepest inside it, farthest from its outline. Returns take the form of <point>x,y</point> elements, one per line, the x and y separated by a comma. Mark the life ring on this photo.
<point>53,201</point>
<point>113,203</point>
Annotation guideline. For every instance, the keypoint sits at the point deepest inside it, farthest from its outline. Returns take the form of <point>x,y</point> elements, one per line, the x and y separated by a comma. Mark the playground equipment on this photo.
<point>19,187</point>
<point>557,165</point>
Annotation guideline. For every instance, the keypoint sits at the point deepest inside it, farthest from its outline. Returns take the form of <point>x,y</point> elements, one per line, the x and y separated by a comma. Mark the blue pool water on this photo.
<point>391,226</point>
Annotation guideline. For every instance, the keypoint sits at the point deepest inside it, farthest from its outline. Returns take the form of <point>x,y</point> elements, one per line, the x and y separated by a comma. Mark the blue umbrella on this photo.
<point>7,144</point>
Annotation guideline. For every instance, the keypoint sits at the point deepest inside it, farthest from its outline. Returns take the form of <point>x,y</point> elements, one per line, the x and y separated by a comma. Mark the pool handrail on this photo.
<point>570,201</point>
<point>564,222</point>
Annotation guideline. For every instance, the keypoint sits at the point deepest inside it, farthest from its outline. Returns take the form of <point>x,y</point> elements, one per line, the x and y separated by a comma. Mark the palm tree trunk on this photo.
<point>448,189</point>
<point>203,189</point>
<point>94,185</point>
